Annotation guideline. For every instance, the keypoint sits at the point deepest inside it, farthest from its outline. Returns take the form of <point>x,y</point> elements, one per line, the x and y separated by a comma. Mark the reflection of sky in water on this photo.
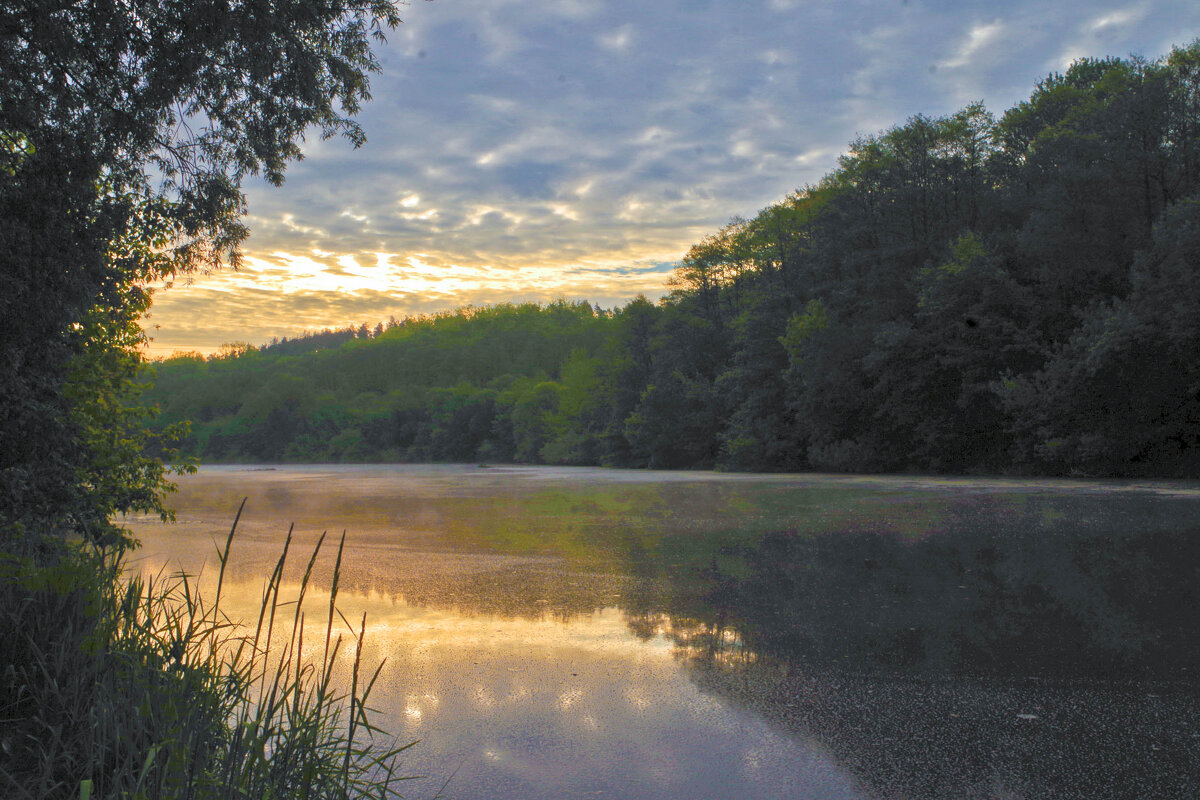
<point>541,709</point>
<point>544,708</point>
<point>580,632</point>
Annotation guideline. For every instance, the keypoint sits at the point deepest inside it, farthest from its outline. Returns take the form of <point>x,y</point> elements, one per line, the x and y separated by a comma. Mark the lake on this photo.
<point>579,632</point>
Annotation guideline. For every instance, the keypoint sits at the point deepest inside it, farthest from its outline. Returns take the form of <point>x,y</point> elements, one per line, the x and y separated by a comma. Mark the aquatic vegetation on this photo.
<point>116,685</point>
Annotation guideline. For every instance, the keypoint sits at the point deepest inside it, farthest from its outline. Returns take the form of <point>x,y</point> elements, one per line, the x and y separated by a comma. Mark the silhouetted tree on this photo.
<point>126,131</point>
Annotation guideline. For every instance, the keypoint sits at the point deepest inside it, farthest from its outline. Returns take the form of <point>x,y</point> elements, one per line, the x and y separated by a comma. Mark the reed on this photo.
<point>116,685</point>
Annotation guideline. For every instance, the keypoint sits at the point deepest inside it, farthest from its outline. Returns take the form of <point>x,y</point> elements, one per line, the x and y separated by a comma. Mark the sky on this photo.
<point>541,149</point>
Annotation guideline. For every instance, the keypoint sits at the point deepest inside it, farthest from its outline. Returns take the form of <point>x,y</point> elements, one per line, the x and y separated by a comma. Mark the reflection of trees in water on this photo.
<point>980,661</point>
<point>1006,585</point>
<point>915,643</point>
<point>1020,598</point>
<point>507,593</point>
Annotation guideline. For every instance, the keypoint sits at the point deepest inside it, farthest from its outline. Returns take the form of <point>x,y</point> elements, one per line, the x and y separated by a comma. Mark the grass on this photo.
<point>115,685</point>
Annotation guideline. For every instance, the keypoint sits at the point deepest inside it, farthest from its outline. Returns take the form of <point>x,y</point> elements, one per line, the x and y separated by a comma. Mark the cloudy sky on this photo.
<point>535,149</point>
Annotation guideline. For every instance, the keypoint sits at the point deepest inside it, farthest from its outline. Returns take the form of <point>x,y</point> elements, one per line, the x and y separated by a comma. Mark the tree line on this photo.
<point>963,293</point>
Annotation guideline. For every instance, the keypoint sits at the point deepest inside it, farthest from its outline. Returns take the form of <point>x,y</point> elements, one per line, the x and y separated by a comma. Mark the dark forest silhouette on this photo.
<point>962,294</point>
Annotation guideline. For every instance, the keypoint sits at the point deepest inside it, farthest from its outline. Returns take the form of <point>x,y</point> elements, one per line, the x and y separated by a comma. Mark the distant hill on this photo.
<point>426,388</point>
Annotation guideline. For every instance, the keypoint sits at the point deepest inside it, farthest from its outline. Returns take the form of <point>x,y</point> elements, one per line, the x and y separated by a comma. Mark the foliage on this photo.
<point>121,459</point>
<point>126,131</point>
<point>133,687</point>
<point>496,383</point>
<point>962,294</point>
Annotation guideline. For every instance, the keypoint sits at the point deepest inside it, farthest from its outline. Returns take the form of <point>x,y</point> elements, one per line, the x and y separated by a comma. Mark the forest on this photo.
<point>961,294</point>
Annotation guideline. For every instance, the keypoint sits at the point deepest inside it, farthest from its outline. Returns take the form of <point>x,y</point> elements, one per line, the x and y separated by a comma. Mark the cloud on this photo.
<point>1117,19</point>
<point>619,40</point>
<point>979,37</point>
<point>555,147</point>
<point>286,295</point>
<point>1121,29</point>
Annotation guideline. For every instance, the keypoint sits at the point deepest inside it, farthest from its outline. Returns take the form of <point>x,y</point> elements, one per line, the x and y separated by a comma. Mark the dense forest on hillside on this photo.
<point>963,293</point>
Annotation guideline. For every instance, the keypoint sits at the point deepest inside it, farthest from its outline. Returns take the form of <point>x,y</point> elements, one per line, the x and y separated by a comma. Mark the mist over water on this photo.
<point>554,632</point>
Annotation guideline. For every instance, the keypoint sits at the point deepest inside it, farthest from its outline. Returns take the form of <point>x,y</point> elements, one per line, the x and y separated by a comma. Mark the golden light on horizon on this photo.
<point>282,293</point>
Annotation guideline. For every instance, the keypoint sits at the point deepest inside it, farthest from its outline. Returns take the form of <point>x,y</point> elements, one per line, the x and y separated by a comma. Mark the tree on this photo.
<point>1123,395</point>
<point>126,131</point>
<point>961,294</point>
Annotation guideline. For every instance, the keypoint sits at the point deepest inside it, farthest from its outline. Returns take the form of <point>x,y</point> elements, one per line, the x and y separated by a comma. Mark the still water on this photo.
<point>560,633</point>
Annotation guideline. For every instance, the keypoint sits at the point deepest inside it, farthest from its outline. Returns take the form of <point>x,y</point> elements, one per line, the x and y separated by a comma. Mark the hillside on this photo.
<point>962,293</point>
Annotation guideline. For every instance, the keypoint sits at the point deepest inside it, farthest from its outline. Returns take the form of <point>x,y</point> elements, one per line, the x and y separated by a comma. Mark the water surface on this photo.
<point>556,632</point>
